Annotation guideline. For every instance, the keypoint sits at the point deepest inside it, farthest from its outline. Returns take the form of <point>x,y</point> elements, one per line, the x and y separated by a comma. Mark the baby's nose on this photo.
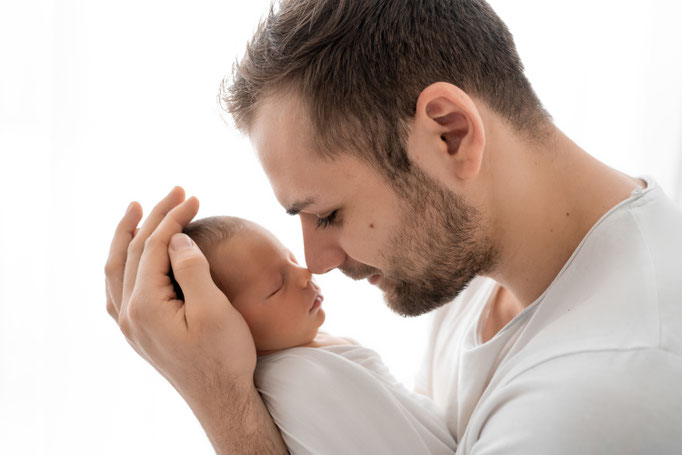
<point>304,277</point>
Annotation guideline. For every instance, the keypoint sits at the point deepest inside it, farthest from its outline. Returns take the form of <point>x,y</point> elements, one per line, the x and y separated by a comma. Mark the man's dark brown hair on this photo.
<point>360,65</point>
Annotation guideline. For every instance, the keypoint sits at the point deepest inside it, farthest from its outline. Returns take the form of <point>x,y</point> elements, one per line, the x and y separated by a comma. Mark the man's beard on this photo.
<point>436,251</point>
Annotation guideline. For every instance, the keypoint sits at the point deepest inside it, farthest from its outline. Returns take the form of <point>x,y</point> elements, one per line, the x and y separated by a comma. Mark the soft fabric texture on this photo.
<point>343,400</point>
<point>593,366</point>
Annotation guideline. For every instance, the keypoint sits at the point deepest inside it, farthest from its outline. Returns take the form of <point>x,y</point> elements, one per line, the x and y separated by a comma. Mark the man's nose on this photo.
<point>322,251</point>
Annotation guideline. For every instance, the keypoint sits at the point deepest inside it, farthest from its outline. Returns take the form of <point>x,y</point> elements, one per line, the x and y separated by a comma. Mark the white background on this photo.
<point>102,103</point>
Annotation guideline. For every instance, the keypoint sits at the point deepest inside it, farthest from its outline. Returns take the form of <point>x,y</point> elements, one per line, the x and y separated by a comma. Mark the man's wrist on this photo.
<point>236,420</point>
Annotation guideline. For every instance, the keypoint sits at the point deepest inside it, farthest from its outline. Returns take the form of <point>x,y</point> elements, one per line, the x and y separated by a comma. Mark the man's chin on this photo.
<point>409,309</point>
<point>403,300</point>
<point>400,308</point>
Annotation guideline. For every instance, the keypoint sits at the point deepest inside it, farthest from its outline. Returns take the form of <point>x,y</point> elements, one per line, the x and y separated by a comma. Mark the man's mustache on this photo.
<point>358,271</point>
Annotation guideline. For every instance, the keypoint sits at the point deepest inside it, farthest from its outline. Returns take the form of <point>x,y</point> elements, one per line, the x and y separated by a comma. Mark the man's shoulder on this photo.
<point>620,291</point>
<point>595,370</point>
<point>588,402</point>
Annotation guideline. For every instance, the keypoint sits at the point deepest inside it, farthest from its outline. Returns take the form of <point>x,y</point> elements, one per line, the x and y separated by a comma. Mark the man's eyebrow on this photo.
<point>295,208</point>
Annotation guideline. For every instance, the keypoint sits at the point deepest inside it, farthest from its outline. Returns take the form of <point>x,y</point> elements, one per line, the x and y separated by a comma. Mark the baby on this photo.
<point>326,394</point>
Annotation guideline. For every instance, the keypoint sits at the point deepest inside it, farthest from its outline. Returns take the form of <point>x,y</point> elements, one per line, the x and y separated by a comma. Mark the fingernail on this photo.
<point>180,241</point>
<point>130,206</point>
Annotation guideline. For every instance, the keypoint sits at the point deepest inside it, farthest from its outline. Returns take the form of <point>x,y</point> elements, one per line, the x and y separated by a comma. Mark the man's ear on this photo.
<point>447,133</point>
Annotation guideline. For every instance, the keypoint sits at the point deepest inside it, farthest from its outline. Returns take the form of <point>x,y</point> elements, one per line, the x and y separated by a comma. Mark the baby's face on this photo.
<point>276,296</point>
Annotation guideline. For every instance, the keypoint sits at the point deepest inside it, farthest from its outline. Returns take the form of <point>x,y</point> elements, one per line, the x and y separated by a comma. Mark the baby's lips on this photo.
<point>314,305</point>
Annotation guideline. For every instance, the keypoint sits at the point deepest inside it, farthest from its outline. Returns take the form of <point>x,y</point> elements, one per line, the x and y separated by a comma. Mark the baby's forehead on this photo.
<point>248,254</point>
<point>256,239</point>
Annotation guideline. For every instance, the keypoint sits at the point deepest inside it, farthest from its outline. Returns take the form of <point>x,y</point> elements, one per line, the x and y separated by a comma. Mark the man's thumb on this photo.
<point>190,269</point>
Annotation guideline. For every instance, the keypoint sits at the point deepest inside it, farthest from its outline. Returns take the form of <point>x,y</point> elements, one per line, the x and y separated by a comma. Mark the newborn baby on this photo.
<point>277,297</point>
<point>327,395</point>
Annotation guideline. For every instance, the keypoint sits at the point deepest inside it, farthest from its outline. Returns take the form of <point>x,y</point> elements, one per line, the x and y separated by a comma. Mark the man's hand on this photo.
<point>202,346</point>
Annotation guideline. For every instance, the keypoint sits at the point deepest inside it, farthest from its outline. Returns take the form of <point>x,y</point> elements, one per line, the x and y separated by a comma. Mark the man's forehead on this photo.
<point>300,175</point>
<point>280,133</point>
<point>280,122</point>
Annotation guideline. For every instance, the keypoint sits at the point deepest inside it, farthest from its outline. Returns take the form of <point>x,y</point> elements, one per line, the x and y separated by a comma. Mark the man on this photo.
<point>408,140</point>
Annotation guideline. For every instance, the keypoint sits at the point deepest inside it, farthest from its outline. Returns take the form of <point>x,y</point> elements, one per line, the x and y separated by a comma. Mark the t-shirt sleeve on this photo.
<point>325,404</point>
<point>588,403</point>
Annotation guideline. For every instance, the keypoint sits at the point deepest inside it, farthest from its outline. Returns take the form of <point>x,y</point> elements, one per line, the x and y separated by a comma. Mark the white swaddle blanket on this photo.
<point>343,400</point>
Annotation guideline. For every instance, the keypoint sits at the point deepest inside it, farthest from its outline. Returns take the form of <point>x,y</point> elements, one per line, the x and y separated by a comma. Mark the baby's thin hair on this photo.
<point>208,232</point>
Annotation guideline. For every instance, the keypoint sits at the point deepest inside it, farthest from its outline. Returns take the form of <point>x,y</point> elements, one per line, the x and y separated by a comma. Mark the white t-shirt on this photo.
<point>593,366</point>
<point>343,400</point>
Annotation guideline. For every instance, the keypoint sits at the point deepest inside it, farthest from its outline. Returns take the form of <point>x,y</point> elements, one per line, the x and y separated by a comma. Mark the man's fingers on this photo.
<point>136,246</point>
<point>154,264</point>
<point>205,303</point>
<point>111,309</point>
<point>190,269</point>
<point>155,257</point>
<point>118,251</point>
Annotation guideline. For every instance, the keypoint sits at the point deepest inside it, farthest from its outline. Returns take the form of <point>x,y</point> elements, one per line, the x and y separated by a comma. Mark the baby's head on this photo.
<point>261,278</point>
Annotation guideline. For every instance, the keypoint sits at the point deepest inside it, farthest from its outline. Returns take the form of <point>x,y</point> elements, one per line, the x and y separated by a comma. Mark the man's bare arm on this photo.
<point>238,422</point>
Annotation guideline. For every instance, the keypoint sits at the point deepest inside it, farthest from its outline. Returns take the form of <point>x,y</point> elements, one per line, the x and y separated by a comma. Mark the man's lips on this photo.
<point>374,279</point>
<point>316,303</point>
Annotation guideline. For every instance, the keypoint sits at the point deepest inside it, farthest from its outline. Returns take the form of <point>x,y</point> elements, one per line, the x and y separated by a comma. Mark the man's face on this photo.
<point>421,247</point>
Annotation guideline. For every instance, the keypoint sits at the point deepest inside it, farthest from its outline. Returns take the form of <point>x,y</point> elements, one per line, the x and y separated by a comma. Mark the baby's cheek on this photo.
<point>263,329</point>
<point>246,309</point>
<point>274,331</point>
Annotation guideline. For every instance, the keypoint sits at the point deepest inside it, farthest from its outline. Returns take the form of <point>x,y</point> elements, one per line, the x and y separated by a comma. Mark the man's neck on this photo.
<point>545,201</point>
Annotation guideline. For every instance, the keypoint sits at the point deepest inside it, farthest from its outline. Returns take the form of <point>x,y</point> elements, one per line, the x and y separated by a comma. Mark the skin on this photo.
<point>265,283</point>
<point>536,199</point>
